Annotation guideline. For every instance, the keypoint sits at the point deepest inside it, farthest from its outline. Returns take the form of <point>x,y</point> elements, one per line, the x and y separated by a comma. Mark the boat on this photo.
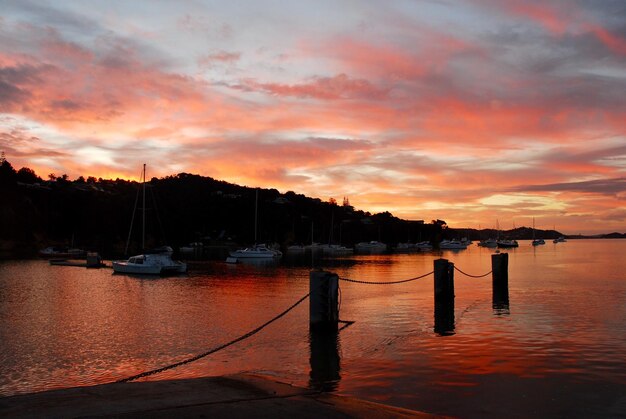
<point>337,250</point>
<point>62,252</point>
<point>191,248</point>
<point>452,245</point>
<point>536,242</point>
<point>559,240</point>
<point>155,262</point>
<point>372,246</point>
<point>295,248</point>
<point>488,243</point>
<point>507,244</point>
<point>258,251</point>
<point>424,246</point>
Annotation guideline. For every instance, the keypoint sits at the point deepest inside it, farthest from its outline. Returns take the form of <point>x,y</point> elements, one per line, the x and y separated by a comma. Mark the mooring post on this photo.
<point>444,281</point>
<point>500,279</point>
<point>323,300</point>
<point>444,296</point>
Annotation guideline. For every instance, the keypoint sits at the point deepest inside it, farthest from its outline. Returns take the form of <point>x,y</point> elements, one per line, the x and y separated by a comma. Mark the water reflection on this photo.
<point>324,360</point>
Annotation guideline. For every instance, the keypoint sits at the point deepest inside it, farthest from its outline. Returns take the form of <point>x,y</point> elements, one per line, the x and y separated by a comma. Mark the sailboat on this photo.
<point>504,243</point>
<point>335,249</point>
<point>536,242</point>
<point>155,262</point>
<point>257,251</point>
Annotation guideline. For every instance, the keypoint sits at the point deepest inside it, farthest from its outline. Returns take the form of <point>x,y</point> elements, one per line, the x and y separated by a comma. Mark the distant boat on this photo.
<point>424,246</point>
<point>370,247</point>
<point>559,240</point>
<point>536,242</point>
<point>295,248</point>
<point>452,245</point>
<point>507,244</point>
<point>156,262</point>
<point>191,248</point>
<point>488,243</point>
<point>336,250</point>
<point>257,251</point>
<point>61,252</point>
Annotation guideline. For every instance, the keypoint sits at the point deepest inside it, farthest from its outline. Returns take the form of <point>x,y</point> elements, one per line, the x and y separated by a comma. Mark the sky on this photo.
<point>470,111</point>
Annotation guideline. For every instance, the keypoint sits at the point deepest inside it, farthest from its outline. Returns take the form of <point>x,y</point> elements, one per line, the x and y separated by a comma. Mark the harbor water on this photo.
<point>557,350</point>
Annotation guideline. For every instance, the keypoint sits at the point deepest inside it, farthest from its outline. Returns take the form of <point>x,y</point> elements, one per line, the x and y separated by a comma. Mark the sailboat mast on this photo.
<point>143,222</point>
<point>256,210</point>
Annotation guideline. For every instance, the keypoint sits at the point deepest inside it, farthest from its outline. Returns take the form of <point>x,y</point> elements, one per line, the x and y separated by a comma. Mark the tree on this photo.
<point>332,201</point>
<point>27,175</point>
<point>440,223</point>
<point>7,172</point>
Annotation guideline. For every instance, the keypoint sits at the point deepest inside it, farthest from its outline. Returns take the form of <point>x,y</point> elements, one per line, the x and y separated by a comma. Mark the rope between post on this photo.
<point>211,351</point>
<point>472,276</point>
<point>386,283</point>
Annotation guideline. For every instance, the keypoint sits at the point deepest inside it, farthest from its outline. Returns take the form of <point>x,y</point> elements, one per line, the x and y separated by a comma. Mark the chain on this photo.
<point>386,283</point>
<point>472,276</point>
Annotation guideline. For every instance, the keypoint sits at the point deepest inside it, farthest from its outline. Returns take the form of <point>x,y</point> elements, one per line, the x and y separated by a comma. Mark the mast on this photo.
<point>143,222</point>
<point>256,210</point>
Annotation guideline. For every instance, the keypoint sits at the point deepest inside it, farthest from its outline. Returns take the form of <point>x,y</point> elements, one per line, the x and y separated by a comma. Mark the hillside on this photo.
<point>95,214</point>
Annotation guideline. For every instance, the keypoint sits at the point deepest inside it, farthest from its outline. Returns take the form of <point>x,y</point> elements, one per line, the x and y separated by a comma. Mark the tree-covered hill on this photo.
<point>95,214</point>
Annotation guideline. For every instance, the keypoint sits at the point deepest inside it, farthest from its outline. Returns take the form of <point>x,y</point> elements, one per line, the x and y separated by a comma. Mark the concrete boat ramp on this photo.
<point>235,396</point>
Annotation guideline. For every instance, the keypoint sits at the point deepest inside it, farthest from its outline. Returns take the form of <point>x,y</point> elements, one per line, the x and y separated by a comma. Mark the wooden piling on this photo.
<point>323,300</point>
<point>444,296</point>
<point>444,280</point>
<point>500,279</point>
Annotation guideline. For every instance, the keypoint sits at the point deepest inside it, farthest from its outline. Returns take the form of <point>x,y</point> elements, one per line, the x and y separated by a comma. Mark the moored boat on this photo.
<point>156,262</point>
<point>507,244</point>
<point>488,243</point>
<point>258,251</point>
<point>370,247</point>
<point>452,245</point>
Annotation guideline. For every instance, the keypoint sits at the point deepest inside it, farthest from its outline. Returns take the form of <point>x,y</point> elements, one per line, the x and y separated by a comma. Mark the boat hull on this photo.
<point>149,264</point>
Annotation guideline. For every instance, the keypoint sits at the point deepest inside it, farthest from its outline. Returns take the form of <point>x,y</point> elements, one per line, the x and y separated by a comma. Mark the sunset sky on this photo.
<point>469,111</point>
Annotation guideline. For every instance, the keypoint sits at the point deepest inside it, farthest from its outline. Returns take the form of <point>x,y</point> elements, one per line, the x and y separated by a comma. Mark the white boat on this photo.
<point>258,251</point>
<point>559,240</point>
<point>452,245</point>
<point>536,242</point>
<point>370,247</point>
<point>155,262</point>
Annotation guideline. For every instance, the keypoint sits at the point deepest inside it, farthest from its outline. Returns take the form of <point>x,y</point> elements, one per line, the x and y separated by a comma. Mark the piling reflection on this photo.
<point>324,360</point>
<point>501,309</point>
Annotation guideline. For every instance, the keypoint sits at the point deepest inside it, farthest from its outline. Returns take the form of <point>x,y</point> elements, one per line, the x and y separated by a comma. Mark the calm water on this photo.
<point>558,351</point>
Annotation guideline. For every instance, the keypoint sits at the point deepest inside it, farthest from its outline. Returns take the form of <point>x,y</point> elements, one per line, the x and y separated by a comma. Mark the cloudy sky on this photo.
<point>470,111</point>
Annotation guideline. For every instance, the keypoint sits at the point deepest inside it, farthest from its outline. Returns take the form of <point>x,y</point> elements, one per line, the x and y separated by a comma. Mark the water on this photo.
<point>557,351</point>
